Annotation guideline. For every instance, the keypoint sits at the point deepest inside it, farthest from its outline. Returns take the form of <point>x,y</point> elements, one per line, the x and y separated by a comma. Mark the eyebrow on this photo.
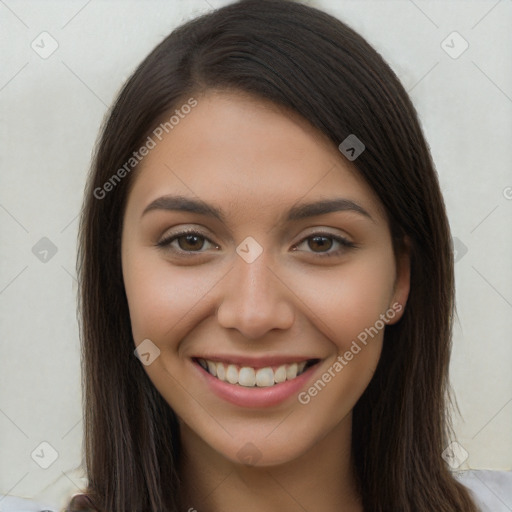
<point>301,211</point>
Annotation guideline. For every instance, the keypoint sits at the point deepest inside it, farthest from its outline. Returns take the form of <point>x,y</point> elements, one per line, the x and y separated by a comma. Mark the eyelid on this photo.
<point>167,240</point>
<point>344,242</point>
<point>319,231</point>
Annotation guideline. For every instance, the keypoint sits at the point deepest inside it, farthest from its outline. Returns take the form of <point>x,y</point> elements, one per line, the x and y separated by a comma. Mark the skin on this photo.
<point>255,161</point>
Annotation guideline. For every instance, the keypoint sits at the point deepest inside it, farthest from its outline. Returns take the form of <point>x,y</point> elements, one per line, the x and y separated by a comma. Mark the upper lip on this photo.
<point>255,362</point>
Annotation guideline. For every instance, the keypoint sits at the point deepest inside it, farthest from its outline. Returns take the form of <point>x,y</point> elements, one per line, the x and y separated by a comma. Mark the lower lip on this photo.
<point>255,396</point>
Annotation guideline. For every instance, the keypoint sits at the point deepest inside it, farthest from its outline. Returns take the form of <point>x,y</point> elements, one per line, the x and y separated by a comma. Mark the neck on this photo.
<point>322,478</point>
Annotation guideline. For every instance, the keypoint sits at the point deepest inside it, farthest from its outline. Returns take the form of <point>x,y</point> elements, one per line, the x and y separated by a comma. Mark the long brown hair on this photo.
<point>306,60</point>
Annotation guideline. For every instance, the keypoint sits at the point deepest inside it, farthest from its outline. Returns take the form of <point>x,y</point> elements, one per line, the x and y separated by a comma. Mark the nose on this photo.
<point>255,299</point>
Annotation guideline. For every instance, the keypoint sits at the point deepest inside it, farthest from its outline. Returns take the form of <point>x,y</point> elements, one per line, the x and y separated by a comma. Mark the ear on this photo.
<point>402,281</point>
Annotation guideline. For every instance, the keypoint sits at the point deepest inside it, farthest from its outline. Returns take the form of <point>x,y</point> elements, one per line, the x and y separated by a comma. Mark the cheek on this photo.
<point>349,313</point>
<point>162,297</point>
<point>347,301</point>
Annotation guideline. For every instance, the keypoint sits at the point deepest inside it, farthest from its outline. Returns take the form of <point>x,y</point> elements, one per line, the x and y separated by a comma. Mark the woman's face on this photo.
<point>284,301</point>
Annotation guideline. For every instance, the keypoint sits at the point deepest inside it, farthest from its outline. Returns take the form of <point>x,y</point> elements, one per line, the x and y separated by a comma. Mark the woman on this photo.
<point>266,279</point>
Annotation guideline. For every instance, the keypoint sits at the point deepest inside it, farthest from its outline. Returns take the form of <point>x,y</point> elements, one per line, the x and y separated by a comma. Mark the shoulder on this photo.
<point>492,490</point>
<point>16,504</point>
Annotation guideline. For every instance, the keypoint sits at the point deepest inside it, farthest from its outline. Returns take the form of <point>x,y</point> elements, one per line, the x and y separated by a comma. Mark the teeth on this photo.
<point>247,377</point>
<point>280,374</point>
<point>232,374</point>
<point>291,371</point>
<point>211,367</point>
<point>251,377</point>
<point>221,372</point>
<point>264,377</point>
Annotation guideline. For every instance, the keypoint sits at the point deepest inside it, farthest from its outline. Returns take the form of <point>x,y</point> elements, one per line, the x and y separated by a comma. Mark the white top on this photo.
<point>492,491</point>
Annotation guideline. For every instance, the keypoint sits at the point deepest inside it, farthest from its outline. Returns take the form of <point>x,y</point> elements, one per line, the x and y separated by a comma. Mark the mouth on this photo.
<point>246,376</point>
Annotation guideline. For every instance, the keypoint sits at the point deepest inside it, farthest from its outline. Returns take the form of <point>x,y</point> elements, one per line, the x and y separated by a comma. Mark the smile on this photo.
<point>250,377</point>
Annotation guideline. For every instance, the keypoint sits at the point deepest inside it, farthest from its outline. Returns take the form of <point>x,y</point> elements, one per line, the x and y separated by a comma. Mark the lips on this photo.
<point>265,376</point>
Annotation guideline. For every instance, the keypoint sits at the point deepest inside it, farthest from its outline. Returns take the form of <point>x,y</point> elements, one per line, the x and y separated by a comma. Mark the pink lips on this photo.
<point>256,397</point>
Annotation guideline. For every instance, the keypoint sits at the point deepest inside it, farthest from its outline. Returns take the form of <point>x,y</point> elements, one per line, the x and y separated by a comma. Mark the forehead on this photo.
<point>236,151</point>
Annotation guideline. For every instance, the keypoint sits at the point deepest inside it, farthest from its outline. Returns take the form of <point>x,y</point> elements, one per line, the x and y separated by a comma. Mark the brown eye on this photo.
<point>186,243</point>
<point>190,242</point>
<point>322,243</point>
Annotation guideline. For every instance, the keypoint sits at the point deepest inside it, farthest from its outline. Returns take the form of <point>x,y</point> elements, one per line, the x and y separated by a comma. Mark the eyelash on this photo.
<point>166,242</point>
